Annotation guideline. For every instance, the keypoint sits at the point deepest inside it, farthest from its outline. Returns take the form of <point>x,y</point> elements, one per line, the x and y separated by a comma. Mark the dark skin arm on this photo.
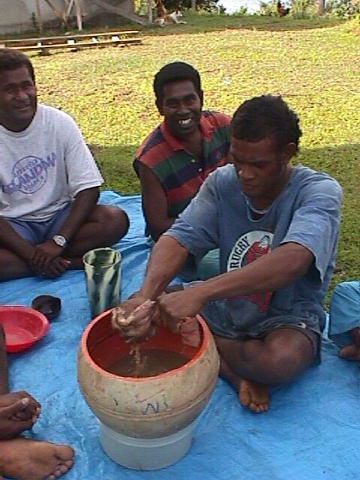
<point>46,253</point>
<point>268,273</point>
<point>154,203</point>
<point>157,279</point>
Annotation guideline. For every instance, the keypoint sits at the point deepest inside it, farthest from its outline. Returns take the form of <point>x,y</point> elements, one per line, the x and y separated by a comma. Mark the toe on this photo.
<point>350,352</point>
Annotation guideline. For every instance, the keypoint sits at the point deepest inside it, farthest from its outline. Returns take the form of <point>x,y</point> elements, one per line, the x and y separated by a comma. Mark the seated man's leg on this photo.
<point>25,459</point>
<point>344,328</point>
<point>253,365</point>
<point>13,265</point>
<point>105,226</point>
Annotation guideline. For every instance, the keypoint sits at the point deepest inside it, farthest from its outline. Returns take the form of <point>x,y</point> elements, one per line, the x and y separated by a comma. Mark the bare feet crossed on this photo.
<point>252,395</point>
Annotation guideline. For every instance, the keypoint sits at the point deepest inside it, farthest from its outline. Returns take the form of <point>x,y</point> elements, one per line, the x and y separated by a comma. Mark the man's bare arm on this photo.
<point>154,203</point>
<point>166,260</point>
<point>84,203</point>
<point>266,274</point>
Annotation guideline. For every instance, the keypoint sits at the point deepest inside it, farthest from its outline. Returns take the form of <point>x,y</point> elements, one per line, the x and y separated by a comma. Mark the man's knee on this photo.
<point>114,220</point>
<point>286,364</point>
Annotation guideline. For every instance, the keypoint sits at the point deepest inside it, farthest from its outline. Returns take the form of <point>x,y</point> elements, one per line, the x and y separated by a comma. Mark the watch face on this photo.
<point>60,240</point>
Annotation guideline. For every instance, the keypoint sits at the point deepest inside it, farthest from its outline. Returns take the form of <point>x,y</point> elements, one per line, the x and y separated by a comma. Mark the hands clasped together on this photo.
<point>137,318</point>
<point>45,260</point>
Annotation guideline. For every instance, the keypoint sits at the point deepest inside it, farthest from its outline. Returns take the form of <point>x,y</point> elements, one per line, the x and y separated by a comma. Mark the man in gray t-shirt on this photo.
<point>277,229</point>
<point>49,183</point>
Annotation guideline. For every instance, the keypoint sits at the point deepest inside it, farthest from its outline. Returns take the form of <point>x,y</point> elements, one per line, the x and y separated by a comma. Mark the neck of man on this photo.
<point>193,142</point>
<point>265,201</point>
<point>16,125</point>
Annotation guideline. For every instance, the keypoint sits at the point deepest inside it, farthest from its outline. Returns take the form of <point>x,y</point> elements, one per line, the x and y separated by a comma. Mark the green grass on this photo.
<point>314,64</point>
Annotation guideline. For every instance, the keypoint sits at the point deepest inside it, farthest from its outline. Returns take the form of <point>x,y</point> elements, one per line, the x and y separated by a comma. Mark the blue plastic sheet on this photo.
<point>311,432</point>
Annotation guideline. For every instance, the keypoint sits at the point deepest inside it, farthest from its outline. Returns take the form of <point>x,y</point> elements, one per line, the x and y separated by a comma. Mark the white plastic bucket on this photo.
<point>146,453</point>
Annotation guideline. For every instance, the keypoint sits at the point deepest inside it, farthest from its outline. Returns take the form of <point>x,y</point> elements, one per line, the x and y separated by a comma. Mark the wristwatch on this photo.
<point>60,240</point>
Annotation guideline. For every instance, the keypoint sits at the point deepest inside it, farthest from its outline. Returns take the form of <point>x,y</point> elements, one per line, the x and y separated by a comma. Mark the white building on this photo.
<point>19,15</point>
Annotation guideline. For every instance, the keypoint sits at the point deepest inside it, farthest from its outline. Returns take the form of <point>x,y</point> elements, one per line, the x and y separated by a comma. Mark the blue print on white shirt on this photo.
<point>29,174</point>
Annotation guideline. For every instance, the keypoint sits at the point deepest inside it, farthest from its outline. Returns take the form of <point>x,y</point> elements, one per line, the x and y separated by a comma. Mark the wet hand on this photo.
<point>179,316</point>
<point>136,319</point>
<point>179,305</point>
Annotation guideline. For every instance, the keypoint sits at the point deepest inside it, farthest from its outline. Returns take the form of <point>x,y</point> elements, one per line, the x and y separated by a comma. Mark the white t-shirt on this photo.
<point>44,167</point>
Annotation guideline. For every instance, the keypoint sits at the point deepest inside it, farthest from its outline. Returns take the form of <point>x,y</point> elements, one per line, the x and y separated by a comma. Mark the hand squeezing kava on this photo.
<point>142,322</point>
<point>139,325</point>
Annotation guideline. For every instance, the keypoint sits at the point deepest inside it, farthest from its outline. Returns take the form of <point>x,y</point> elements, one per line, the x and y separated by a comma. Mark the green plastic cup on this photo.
<point>103,278</point>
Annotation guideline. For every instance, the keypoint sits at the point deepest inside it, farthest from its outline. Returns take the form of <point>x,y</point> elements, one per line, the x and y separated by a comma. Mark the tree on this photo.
<point>321,4</point>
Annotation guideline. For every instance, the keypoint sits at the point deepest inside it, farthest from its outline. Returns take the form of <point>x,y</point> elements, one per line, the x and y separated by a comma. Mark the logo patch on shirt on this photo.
<point>29,174</point>
<point>247,248</point>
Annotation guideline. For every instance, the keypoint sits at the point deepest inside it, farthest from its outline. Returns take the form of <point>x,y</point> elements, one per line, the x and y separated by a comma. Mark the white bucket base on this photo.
<point>145,453</point>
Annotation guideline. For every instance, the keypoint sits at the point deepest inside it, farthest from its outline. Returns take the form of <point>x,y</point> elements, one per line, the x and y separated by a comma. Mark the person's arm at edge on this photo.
<point>154,203</point>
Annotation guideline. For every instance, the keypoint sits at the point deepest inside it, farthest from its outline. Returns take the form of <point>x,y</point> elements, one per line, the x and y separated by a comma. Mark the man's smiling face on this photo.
<point>18,99</point>
<point>181,107</point>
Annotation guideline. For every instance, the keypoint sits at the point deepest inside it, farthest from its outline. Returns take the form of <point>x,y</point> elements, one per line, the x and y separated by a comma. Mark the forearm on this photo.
<point>167,259</point>
<point>11,240</point>
<point>266,274</point>
<point>82,207</point>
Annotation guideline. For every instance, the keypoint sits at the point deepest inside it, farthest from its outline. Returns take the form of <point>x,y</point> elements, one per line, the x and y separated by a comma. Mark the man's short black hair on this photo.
<point>266,116</point>
<point>13,59</point>
<point>173,72</point>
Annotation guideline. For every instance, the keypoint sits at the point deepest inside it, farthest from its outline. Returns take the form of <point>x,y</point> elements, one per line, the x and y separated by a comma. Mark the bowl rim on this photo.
<point>83,348</point>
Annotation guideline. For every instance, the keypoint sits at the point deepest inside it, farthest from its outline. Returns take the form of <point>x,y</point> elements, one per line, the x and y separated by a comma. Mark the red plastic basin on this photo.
<point>23,326</point>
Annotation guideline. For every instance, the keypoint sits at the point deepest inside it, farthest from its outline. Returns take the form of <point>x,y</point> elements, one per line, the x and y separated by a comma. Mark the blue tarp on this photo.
<point>311,432</point>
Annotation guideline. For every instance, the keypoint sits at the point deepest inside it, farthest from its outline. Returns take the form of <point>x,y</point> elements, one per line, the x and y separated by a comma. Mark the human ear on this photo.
<point>159,107</point>
<point>201,95</point>
<point>288,152</point>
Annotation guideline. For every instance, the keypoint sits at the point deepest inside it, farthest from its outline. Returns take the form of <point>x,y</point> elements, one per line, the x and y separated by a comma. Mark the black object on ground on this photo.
<point>48,305</point>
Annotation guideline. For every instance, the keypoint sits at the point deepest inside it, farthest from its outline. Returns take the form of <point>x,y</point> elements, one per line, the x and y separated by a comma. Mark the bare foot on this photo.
<point>350,352</point>
<point>25,459</point>
<point>252,395</point>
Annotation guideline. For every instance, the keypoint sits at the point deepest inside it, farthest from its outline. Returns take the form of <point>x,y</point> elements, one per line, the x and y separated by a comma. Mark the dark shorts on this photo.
<point>39,232</point>
<point>227,323</point>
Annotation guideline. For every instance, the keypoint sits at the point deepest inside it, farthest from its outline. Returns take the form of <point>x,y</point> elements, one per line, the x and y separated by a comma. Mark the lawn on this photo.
<point>314,64</point>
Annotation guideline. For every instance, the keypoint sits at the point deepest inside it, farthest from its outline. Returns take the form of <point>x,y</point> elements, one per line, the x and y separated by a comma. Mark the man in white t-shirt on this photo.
<point>49,183</point>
